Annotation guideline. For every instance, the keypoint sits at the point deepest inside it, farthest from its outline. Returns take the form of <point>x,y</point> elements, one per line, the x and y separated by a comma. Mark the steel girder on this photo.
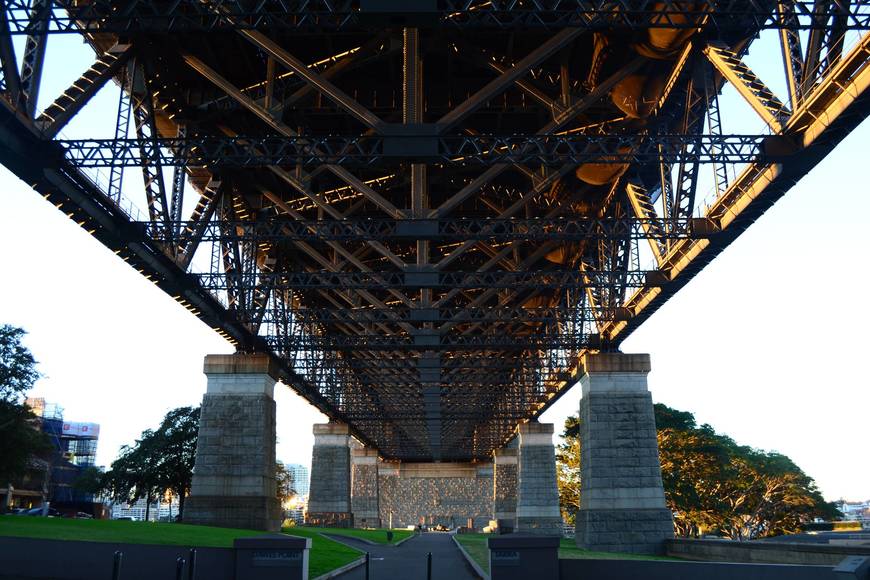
<point>337,214</point>
<point>550,150</point>
<point>194,16</point>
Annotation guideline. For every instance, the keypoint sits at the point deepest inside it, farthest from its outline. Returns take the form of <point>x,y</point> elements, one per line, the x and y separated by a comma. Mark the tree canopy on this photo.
<point>712,484</point>
<point>17,366</point>
<point>159,461</point>
<point>21,439</point>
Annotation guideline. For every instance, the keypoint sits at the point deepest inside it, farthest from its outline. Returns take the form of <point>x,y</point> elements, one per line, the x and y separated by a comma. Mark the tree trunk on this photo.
<point>147,506</point>
<point>181,495</point>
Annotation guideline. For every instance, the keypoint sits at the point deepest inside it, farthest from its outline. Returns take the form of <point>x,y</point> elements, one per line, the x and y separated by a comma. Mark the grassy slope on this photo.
<point>325,554</point>
<point>475,545</point>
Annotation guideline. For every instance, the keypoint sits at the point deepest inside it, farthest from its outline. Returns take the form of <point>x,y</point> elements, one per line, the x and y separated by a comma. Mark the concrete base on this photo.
<point>622,501</point>
<point>329,495</point>
<point>247,513</point>
<point>630,531</point>
<point>234,476</point>
<point>537,493</point>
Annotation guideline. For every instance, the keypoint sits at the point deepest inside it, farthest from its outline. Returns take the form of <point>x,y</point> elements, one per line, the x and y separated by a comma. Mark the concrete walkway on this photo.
<point>408,561</point>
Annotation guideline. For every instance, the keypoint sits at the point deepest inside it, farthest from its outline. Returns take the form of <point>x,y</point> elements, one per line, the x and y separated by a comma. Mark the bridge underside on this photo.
<point>427,219</point>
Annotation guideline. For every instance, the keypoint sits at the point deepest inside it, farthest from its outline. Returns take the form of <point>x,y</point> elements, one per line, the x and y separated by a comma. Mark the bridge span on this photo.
<point>430,221</point>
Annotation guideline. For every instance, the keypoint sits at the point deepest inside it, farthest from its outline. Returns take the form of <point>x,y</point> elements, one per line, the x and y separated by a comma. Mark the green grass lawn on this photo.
<point>325,554</point>
<point>379,535</point>
<point>475,545</point>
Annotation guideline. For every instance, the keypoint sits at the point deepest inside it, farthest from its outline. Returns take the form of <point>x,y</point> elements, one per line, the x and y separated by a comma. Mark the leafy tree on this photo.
<point>161,460</point>
<point>17,366</point>
<point>91,481</point>
<point>21,439</point>
<point>286,485</point>
<point>177,440</point>
<point>133,475</point>
<point>568,470</point>
<point>713,485</point>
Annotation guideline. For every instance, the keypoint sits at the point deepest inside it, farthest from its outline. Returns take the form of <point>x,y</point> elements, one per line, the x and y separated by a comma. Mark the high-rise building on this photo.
<point>299,474</point>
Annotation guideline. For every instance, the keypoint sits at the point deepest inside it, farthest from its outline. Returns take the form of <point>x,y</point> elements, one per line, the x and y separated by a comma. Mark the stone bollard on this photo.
<point>272,557</point>
<point>517,557</point>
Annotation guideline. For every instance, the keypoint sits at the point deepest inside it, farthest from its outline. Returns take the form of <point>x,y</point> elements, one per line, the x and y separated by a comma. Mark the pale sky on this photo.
<point>767,344</point>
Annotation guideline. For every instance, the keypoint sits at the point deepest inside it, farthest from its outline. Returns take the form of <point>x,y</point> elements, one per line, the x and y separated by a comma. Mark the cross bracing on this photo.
<point>426,218</point>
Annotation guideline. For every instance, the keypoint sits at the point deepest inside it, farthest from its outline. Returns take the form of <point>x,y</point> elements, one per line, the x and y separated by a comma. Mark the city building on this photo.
<point>159,510</point>
<point>300,478</point>
<point>52,479</point>
<point>855,511</point>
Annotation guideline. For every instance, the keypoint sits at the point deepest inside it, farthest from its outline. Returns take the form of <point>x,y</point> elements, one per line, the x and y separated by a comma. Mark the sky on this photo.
<point>767,344</point>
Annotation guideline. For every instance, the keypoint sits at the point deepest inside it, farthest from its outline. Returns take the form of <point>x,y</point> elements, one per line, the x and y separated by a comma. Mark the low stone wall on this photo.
<point>440,493</point>
<point>32,559</point>
<point>769,552</point>
<point>662,570</point>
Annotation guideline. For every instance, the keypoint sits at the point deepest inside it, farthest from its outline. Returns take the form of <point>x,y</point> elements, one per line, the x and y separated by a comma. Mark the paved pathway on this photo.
<point>408,561</point>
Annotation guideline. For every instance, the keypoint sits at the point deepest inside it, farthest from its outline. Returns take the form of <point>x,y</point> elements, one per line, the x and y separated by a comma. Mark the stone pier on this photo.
<point>504,488</point>
<point>329,494</point>
<point>537,493</point>
<point>364,488</point>
<point>622,501</point>
<point>234,475</point>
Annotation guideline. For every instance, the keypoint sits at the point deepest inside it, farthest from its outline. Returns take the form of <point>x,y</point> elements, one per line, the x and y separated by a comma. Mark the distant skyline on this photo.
<point>767,344</point>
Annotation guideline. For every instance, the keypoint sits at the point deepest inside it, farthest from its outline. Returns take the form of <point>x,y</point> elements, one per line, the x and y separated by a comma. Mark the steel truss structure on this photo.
<point>427,217</point>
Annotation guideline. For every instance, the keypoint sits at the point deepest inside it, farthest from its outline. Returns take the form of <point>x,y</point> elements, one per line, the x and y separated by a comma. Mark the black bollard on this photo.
<point>429,566</point>
<point>116,565</point>
<point>191,567</point>
<point>367,566</point>
<point>179,568</point>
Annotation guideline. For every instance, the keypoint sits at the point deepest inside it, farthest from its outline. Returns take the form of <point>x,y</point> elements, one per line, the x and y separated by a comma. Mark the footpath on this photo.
<point>408,561</point>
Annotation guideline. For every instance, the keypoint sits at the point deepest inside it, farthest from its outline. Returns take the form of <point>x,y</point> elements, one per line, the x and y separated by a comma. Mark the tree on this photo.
<point>133,475</point>
<point>17,366</point>
<point>286,487</point>
<point>713,485</point>
<point>568,470</point>
<point>21,438</point>
<point>21,441</point>
<point>177,436</point>
<point>160,460</point>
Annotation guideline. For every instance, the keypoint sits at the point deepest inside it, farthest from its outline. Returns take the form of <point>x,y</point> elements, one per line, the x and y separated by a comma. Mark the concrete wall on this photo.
<point>658,570</point>
<point>435,493</point>
<point>772,552</point>
<point>27,558</point>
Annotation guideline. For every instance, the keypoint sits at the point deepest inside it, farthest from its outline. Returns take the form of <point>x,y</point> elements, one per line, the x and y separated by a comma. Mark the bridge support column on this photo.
<point>622,501</point>
<point>504,488</point>
<point>364,488</point>
<point>234,475</point>
<point>537,493</point>
<point>329,495</point>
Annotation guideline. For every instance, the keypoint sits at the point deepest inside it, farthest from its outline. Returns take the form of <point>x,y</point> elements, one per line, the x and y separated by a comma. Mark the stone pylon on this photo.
<point>537,492</point>
<point>504,488</point>
<point>234,474</point>
<point>329,495</point>
<point>622,501</point>
<point>364,488</point>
